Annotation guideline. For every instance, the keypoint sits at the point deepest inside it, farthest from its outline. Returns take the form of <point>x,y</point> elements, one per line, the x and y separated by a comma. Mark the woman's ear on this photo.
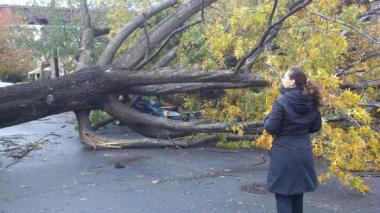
<point>292,82</point>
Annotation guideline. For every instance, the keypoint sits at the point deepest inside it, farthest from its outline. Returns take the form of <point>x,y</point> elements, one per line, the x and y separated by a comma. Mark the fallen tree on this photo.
<point>249,43</point>
<point>98,84</point>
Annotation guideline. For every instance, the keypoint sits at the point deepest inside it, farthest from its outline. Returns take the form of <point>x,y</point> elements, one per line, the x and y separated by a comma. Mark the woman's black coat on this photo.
<point>293,117</point>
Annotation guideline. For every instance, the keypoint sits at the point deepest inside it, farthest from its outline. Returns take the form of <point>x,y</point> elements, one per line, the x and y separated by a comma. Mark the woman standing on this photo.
<point>294,115</point>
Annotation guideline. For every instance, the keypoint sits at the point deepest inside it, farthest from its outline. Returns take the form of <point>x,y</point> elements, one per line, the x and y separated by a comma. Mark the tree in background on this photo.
<point>15,62</point>
<point>59,39</point>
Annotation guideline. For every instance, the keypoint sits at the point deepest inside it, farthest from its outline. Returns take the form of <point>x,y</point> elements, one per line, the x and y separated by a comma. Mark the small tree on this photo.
<point>59,40</point>
<point>14,61</point>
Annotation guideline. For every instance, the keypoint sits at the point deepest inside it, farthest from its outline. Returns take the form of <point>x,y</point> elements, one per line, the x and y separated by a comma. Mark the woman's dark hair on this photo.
<point>310,87</point>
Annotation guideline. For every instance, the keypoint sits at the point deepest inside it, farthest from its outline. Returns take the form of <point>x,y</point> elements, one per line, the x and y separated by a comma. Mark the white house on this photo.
<point>39,74</point>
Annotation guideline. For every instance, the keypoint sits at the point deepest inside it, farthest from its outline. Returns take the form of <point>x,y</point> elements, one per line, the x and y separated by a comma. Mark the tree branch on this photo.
<point>346,72</point>
<point>366,57</point>
<point>102,123</point>
<point>361,85</point>
<point>168,75</point>
<point>86,50</point>
<point>272,13</point>
<point>269,33</point>
<point>372,105</point>
<point>374,12</point>
<point>109,52</point>
<point>166,59</point>
<point>352,27</point>
<point>145,25</point>
<point>102,31</point>
<point>164,43</point>
<point>135,54</point>
<point>129,115</point>
<point>154,132</point>
<point>83,89</point>
<point>96,141</point>
<point>193,87</point>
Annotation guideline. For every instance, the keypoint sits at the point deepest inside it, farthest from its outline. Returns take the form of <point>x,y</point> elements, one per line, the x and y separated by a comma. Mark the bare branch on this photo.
<point>83,89</point>
<point>372,105</point>
<point>361,85</point>
<point>254,58</point>
<point>296,26</point>
<point>344,71</point>
<point>168,75</point>
<point>139,121</point>
<point>96,141</point>
<point>102,123</point>
<point>86,50</point>
<point>146,36</point>
<point>193,87</point>
<point>129,115</point>
<point>334,118</point>
<point>269,34</point>
<point>135,54</point>
<point>102,31</point>
<point>166,59</point>
<point>203,10</point>
<point>85,15</point>
<point>235,137</point>
<point>272,13</point>
<point>84,127</point>
<point>107,55</point>
<point>164,43</point>
<point>349,118</point>
<point>155,132</point>
<point>374,12</point>
<point>352,27</point>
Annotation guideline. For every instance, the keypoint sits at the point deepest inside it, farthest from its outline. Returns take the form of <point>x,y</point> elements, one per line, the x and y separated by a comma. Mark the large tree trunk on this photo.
<point>85,88</point>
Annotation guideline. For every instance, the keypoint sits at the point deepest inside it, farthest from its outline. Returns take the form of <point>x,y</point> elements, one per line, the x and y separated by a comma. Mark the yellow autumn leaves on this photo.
<point>319,45</point>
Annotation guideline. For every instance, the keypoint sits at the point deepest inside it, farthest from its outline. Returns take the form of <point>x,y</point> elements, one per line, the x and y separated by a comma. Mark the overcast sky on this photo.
<point>15,2</point>
<point>41,2</point>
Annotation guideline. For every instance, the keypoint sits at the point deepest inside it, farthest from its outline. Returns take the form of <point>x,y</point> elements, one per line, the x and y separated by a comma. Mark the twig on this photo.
<point>102,123</point>
<point>29,148</point>
<point>366,35</point>
<point>295,26</point>
<point>272,13</point>
<point>346,72</point>
<point>375,104</point>
<point>368,174</point>
<point>366,57</point>
<point>269,34</point>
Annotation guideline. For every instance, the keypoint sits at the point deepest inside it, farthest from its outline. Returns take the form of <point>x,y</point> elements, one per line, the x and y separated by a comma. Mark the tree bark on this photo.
<point>165,60</point>
<point>361,85</point>
<point>135,54</point>
<point>93,140</point>
<point>129,115</point>
<point>85,88</point>
<point>108,54</point>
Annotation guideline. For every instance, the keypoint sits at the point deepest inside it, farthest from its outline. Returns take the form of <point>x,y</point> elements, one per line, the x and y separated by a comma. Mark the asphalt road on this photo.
<point>60,175</point>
